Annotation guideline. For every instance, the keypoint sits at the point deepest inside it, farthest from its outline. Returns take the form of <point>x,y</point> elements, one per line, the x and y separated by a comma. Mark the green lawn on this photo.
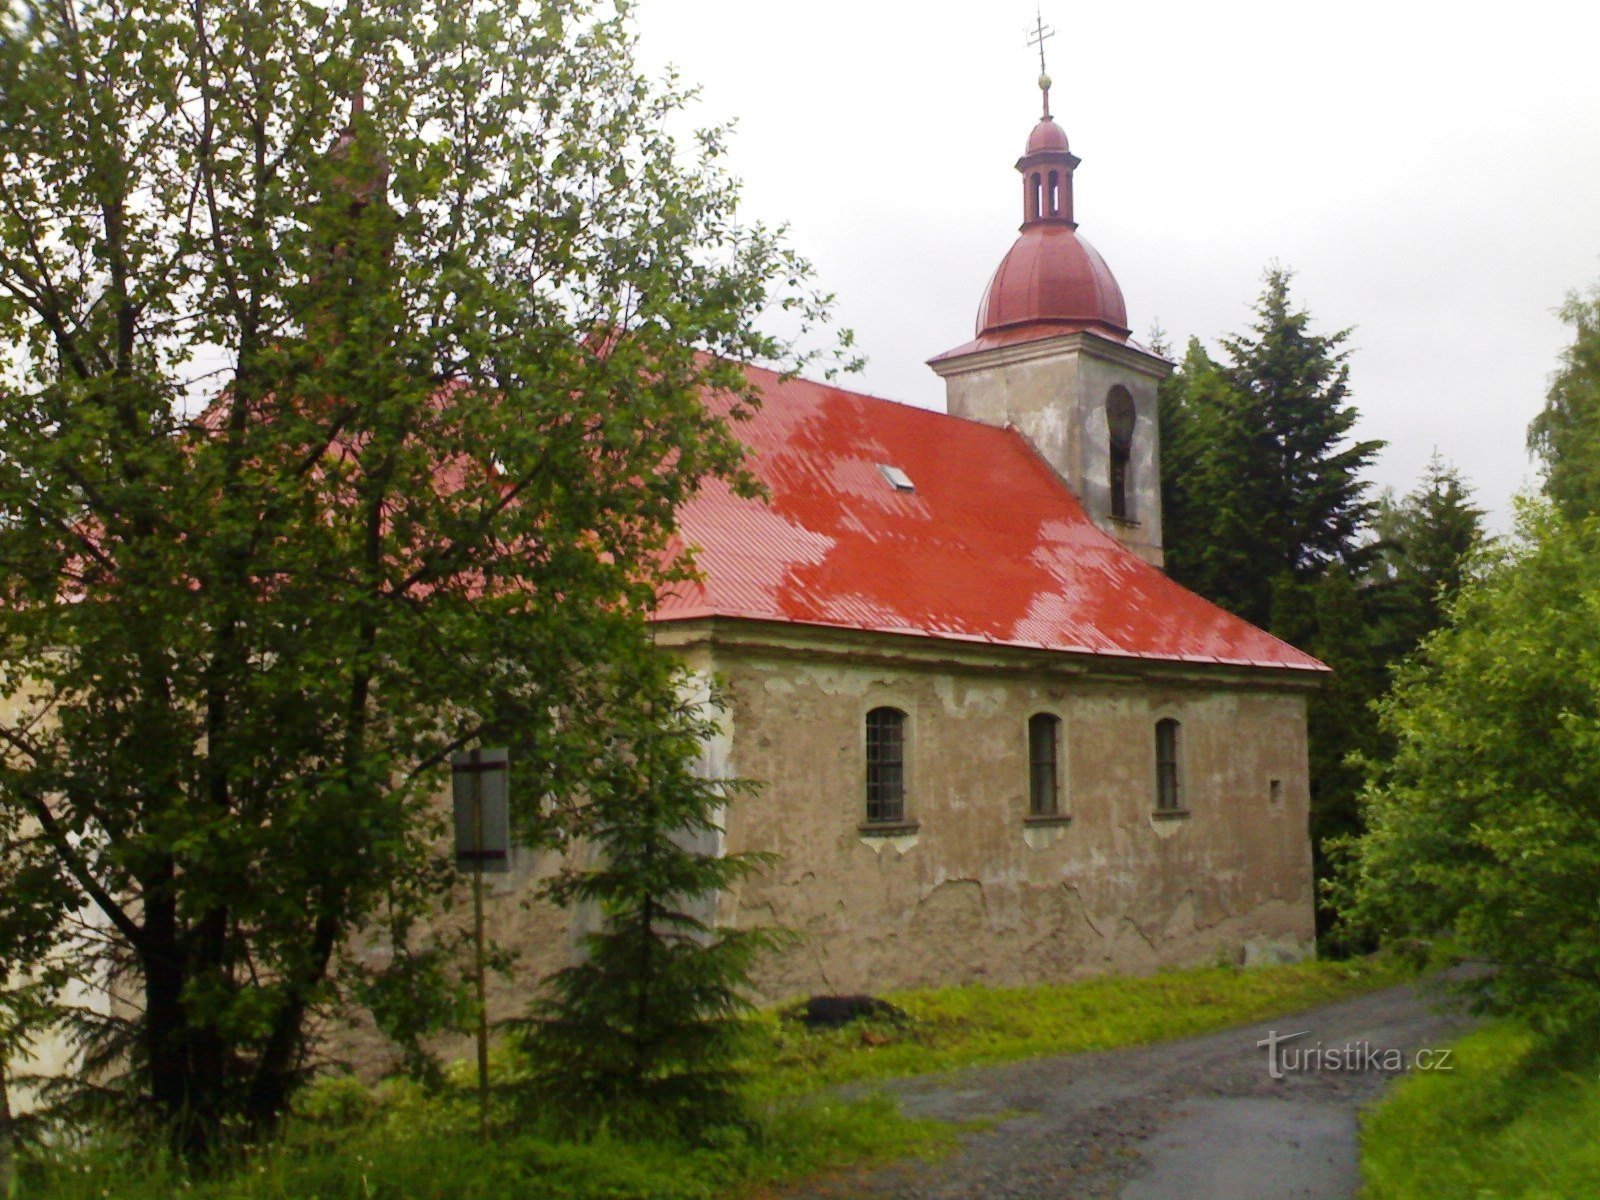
<point>958,1027</point>
<point>393,1143</point>
<point>1517,1119</point>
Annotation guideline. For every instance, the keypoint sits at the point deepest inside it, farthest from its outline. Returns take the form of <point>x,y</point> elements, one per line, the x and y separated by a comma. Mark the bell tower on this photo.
<point>1052,357</point>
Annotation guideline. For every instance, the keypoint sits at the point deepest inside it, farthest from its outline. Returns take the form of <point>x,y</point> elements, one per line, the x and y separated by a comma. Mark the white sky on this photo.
<point>1430,171</point>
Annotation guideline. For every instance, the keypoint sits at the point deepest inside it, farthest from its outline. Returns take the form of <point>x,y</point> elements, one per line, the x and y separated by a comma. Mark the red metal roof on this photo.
<point>991,546</point>
<point>1050,281</point>
<point>1047,137</point>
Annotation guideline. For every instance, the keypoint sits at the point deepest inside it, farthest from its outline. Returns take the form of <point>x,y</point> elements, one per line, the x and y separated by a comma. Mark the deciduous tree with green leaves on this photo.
<point>1485,824</point>
<point>1565,436</point>
<point>353,365</point>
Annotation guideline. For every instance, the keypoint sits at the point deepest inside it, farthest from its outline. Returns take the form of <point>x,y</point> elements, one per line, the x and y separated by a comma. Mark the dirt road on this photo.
<point>1200,1119</point>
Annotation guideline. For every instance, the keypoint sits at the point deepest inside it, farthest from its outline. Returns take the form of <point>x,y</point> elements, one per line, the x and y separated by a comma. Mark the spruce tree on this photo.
<point>1211,493</point>
<point>1296,384</point>
<point>1422,547</point>
<point>643,1029</point>
<point>1265,480</point>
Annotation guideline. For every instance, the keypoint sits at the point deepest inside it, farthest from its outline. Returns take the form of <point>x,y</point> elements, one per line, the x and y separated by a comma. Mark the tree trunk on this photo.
<point>8,1166</point>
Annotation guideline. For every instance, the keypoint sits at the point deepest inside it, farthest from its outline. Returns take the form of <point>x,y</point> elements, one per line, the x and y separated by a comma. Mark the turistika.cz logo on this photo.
<point>1282,1059</point>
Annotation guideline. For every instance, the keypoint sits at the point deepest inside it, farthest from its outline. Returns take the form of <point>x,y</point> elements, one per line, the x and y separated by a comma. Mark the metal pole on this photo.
<point>477,938</point>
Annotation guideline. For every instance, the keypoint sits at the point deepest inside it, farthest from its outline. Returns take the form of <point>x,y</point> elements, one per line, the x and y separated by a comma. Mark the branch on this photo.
<point>74,863</point>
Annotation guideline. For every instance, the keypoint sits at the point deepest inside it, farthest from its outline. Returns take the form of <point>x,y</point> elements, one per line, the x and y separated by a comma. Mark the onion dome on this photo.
<point>1052,280</point>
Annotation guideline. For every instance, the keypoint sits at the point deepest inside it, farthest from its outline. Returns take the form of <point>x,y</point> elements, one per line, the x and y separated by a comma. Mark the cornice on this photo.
<point>780,639</point>
<point>1077,341</point>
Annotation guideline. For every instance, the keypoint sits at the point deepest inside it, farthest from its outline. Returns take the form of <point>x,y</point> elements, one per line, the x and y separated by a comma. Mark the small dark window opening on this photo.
<point>1055,194</point>
<point>886,765</point>
<point>1168,796</point>
<point>1120,419</point>
<point>1044,754</point>
<point>1038,197</point>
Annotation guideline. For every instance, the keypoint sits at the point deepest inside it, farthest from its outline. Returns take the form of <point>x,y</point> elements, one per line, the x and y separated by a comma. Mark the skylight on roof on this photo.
<point>897,478</point>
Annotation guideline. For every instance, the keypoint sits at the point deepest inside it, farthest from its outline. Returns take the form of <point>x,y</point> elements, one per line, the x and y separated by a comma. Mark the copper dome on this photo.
<point>1052,277</point>
<point>1047,137</point>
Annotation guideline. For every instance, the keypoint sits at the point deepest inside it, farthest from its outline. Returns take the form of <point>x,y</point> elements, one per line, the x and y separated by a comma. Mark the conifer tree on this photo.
<point>1264,481</point>
<point>1423,542</point>
<point>643,1027</point>
<point>1297,385</point>
<point>1212,493</point>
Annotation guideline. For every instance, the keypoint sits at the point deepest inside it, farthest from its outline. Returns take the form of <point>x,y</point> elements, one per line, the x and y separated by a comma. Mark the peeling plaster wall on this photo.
<point>978,894</point>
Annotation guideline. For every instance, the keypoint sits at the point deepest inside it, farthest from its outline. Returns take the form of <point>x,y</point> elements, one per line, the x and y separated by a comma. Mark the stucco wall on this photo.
<point>1054,392</point>
<point>979,894</point>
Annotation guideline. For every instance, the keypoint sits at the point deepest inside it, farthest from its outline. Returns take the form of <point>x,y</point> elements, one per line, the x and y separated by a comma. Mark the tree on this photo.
<point>355,364</point>
<point>1264,483</point>
<point>1263,513</point>
<point>1485,825</point>
<point>1565,436</point>
<point>1422,545</point>
<point>1212,489</point>
<point>643,1027</point>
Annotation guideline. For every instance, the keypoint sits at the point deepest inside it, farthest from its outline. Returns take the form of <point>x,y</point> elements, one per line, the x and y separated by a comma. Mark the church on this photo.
<point>996,742</point>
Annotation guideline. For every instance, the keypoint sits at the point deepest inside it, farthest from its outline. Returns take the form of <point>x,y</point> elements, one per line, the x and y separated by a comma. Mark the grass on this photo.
<point>427,1149</point>
<point>394,1143</point>
<point>968,1026</point>
<point>1516,1119</point>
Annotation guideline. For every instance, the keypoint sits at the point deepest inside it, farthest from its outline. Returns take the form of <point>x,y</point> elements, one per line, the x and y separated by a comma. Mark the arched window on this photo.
<point>1038,196</point>
<point>1044,770</point>
<point>1055,193</point>
<point>1169,794</point>
<point>886,766</point>
<point>1119,425</point>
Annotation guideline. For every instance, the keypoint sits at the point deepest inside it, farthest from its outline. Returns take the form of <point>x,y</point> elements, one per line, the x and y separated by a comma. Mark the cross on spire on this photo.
<point>1037,37</point>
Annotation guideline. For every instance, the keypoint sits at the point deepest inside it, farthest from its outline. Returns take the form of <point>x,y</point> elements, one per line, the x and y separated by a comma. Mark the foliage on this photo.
<point>352,371</point>
<point>1565,435</point>
<point>1513,1120</point>
<point>1486,822</point>
<point>1213,488</point>
<point>647,1023</point>
<point>1261,481</point>
<point>1363,625</point>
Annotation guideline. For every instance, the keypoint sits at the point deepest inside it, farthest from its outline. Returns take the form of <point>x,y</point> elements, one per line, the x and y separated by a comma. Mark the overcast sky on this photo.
<point>1432,176</point>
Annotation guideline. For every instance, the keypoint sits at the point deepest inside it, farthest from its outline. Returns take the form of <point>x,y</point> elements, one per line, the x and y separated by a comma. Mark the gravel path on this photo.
<point>1199,1119</point>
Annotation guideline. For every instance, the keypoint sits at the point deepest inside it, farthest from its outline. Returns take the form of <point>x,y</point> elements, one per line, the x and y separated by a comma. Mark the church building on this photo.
<point>997,743</point>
